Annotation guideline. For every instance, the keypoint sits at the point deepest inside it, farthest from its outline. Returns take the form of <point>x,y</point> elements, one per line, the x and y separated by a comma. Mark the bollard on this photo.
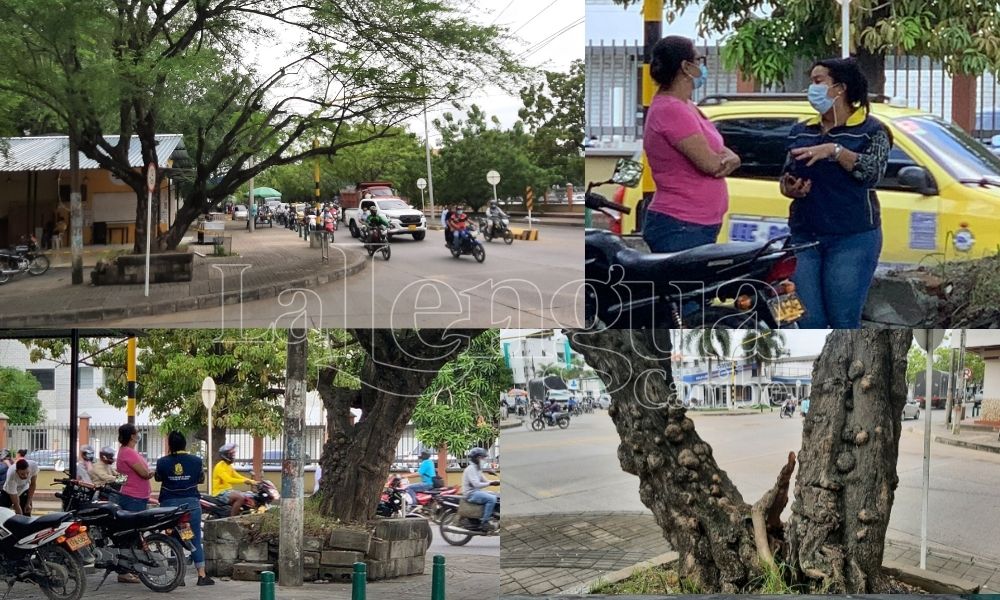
<point>358,581</point>
<point>437,578</point>
<point>267,585</point>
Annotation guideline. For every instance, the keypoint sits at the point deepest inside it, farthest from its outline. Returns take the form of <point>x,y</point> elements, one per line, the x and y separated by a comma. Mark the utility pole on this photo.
<point>427,142</point>
<point>652,21</point>
<point>75,210</point>
<point>291,527</point>
<point>251,225</point>
<point>130,372</point>
<point>951,386</point>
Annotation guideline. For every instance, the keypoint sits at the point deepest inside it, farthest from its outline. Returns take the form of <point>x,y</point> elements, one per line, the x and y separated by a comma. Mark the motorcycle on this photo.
<point>732,285</point>
<point>560,419</point>
<point>392,504</point>
<point>42,551</point>
<point>787,410</point>
<point>467,244</point>
<point>149,543</point>
<point>461,520</point>
<point>23,258</point>
<point>500,229</point>
<point>375,239</point>
<point>262,496</point>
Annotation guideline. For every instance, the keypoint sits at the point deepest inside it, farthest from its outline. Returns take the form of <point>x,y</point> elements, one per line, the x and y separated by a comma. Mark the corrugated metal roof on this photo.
<point>51,153</point>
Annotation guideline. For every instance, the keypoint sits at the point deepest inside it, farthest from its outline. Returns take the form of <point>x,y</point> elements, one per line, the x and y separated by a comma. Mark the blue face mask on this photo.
<point>701,79</point>
<point>819,99</point>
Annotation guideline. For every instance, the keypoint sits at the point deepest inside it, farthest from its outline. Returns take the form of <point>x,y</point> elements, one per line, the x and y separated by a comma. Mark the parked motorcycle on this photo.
<point>560,419</point>
<point>263,496</point>
<point>732,285</point>
<point>468,244</point>
<point>501,229</point>
<point>149,543</point>
<point>42,550</point>
<point>375,240</point>
<point>26,257</point>
<point>461,519</point>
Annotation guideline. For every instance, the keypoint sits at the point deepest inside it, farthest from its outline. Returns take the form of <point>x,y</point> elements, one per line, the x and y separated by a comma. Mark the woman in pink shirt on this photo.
<point>686,154</point>
<point>135,492</point>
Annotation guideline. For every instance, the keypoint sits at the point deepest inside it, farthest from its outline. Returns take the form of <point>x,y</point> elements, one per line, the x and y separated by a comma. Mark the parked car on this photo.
<point>48,458</point>
<point>911,411</point>
<point>603,401</point>
<point>240,213</point>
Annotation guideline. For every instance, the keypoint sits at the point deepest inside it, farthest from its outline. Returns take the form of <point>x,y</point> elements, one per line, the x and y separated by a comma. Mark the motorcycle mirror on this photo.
<point>627,173</point>
<point>59,465</point>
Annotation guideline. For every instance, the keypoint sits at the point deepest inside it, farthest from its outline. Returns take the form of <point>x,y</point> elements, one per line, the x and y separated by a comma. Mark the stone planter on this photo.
<point>166,267</point>
<point>389,547</point>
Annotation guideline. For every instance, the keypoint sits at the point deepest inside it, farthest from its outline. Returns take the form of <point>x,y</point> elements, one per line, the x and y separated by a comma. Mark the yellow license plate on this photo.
<point>411,227</point>
<point>787,308</point>
<point>81,540</point>
<point>186,532</point>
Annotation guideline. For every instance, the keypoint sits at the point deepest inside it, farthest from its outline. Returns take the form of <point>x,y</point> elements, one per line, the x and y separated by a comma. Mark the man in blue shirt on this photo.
<point>179,474</point>
<point>426,472</point>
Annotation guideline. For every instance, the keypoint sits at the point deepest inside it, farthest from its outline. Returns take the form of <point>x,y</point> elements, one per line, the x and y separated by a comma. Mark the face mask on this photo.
<point>819,99</point>
<point>701,79</point>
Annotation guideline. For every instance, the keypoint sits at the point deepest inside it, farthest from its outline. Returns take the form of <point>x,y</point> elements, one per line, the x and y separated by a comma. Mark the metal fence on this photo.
<point>614,106</point>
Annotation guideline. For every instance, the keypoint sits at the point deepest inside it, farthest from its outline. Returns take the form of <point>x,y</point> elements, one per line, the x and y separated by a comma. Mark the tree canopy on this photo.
<point>19,397</point>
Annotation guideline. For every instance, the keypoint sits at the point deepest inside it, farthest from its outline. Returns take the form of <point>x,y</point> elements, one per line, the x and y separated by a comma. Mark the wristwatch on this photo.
<point>836,151</point>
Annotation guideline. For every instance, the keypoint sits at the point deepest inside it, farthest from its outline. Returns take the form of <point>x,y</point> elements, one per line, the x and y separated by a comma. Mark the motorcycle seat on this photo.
<point>687,265</point>
<point>145,518</point>
<point>20,525</point>
<point>214,500</point>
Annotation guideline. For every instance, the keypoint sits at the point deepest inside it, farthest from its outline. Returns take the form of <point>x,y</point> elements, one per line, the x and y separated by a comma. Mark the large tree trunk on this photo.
<point>847,476</point>
<point>843,495</point>
<point>398,367</point>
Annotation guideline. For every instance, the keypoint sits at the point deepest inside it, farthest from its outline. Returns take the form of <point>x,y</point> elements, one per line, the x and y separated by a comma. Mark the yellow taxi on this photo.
<point>940,195</point>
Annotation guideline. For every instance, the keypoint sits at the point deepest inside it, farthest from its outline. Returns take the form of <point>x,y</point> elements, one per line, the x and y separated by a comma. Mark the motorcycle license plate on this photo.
<point>185,532</point>
<point>80,540</point>
<point>786,308</point>
<point>411,227</point>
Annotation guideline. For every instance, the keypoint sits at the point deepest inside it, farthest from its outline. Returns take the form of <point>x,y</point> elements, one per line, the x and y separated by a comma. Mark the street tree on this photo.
<point>916,364</point>
<point>962,35</point>
<point>461,407</point>
<point>763,346</point>
<point>391,370</point>
<point>19,397</point>
<point>834,540</point>
<point>143,67</point>
<point>553,114</point>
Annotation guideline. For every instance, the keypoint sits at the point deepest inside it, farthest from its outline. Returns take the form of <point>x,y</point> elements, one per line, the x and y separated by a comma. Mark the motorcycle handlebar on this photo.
<point>596,201</point>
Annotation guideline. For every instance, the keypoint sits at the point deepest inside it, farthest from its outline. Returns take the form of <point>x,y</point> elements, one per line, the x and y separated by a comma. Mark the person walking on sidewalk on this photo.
<point>179,474</point>
<point>834,162</point>
<point>686,153</point>
<point>473,483</point>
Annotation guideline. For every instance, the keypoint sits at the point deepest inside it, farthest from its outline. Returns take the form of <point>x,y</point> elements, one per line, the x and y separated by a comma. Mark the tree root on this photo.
<point>766,513</point>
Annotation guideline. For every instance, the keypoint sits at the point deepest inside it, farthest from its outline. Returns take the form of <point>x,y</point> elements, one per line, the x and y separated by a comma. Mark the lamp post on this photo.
<point>929,340</point>
<point>208,399</point>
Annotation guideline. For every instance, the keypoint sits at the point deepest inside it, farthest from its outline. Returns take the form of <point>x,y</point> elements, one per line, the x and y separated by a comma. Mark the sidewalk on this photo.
<point>564,553</point>
<point>468,577</point>
<point>984,438</point>
<point>268,262</point>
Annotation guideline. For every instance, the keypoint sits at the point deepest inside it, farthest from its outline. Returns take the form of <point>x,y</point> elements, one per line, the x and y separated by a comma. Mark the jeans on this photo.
<point>132,504</point>
<point>193,505</point>
<point>664,233</point>
<point>833,278</point>
<point>488,500</point>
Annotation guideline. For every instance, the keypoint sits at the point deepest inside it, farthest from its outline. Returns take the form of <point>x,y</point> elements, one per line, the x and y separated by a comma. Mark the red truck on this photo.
<point>351,197</point>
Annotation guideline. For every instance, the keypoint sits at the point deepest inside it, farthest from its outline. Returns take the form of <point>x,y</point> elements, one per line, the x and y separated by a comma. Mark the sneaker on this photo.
<point>128,578</point>
<point>206,580</point>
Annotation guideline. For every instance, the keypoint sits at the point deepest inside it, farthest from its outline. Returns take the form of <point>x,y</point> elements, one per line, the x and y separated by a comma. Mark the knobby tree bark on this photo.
<point>397,368</point>
<point>835,536</point>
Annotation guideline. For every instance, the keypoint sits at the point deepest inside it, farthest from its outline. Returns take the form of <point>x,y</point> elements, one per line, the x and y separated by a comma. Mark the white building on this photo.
<point>528,351</point>
<point>985,343</point>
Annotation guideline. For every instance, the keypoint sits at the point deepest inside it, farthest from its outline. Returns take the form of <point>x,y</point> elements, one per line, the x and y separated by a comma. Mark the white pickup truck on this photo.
<point>403,218</point>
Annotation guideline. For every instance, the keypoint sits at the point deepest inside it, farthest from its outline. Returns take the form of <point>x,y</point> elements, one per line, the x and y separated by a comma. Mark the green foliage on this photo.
<point>577,369</point>
<point>553,113</point>
<point>461,406</point>
<point>19,397</point>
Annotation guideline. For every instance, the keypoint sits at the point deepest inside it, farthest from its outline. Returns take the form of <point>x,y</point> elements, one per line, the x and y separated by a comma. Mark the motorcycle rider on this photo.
<point>374,220</point>
<point>550,410</point>
<point>459,223</point>
<point>5,462</point>
<point>224,477</point>
<point>103,471</point>
<point>493,215</point>
<point>473,483</point>
<point>789,407</point>
<point>445,216</point>
<point>86,464</point>
<point>426,472</point>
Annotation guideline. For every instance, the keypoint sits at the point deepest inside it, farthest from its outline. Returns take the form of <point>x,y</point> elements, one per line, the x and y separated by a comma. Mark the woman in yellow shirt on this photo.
<point>224,477</point>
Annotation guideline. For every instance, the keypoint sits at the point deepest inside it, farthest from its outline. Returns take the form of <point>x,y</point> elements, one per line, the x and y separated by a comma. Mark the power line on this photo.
<point>523,25</point>
<point>501,12</point>
<point>545,42</point>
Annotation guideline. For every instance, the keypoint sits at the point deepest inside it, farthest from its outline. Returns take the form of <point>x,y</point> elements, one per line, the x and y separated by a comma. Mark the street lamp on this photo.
<point>208,399</point>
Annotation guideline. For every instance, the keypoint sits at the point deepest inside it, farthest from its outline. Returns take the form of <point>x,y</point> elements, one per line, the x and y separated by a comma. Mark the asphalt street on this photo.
<point>525,285</point>
<point>577,469</point>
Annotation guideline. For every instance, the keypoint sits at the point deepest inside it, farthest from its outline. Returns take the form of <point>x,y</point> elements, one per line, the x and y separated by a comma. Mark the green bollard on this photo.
<point>358,581</point>
<point>437,580</point>
<point>267,585</point>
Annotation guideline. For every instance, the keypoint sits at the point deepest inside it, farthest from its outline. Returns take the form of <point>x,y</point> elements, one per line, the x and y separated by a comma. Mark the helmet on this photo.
<point>493,203</point>
<point>87,452</point>
<point>477,454</point>
<point>228,452</point>
<point>108,454</point>
<point>4,454</point>
<point>373,209</point>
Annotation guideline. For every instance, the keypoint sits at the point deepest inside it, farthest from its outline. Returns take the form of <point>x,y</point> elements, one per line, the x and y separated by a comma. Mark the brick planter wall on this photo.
<point>390,548</point>
<point>990,410</point>
<point>165,267</point>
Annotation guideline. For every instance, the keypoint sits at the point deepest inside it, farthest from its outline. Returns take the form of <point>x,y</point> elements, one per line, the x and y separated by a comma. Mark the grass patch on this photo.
<point>660,580</point>
<point>773,581</point>
<point>267,525</point>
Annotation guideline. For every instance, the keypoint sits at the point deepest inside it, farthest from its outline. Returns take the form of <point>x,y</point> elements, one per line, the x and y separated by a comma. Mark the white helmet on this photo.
<point>228,452</point>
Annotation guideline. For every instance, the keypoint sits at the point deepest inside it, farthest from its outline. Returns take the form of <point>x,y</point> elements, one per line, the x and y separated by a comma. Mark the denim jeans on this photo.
<point>413,488</point>
<point>132,504</point>
<point>192,504</point>
<point>833,278</point>
<point>664,233</point>
<point>488,500</point>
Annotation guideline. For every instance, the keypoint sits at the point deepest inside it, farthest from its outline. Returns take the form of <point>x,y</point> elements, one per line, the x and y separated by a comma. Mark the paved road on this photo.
<point>577,470</point>
<point>524,285</point>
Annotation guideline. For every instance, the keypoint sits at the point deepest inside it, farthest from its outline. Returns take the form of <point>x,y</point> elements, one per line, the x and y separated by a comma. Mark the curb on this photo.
<point>622,574</point>
<point>510,424</point>
<point>71,317</point>
<point>970,445</point>
<point>930,581</point>
<point>729,413</point>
